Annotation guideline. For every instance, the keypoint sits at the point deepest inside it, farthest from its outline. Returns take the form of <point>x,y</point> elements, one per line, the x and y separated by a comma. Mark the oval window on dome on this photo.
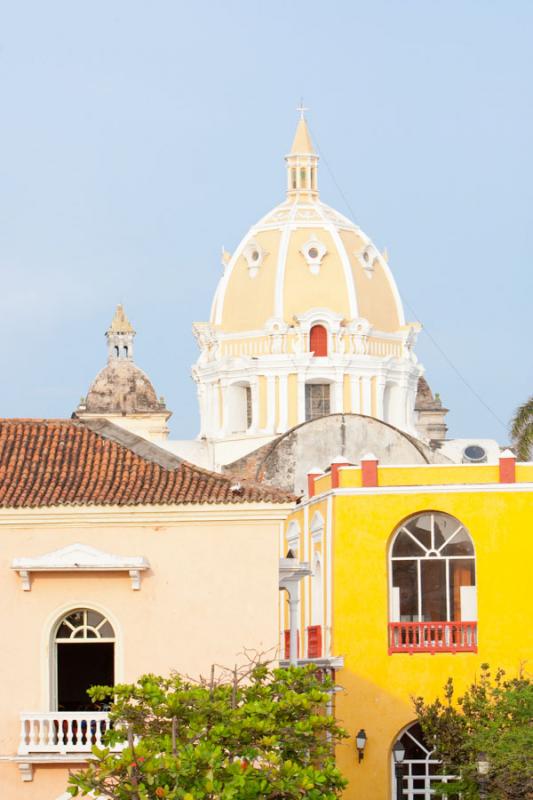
<point>312,252</point>
<point>255,255</point>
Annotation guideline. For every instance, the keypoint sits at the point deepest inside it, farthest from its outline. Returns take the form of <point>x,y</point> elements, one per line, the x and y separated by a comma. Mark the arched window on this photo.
<point>317,400</point>
<point>432,585</point>
<point>393,404</point>
<point>84,650</point>
<point>420,768</point>
<point>318,340</point>
<point>239,407</point>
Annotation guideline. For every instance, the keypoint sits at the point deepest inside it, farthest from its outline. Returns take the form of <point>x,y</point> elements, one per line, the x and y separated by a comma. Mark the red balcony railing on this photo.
<point>314,641</point>
<point>287,642</point>
<point>432,637</point>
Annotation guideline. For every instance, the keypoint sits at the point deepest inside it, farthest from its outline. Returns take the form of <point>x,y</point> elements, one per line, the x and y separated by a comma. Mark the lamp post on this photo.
<point>360,742</point>
<point>483,768</point>
<point>398,751</point>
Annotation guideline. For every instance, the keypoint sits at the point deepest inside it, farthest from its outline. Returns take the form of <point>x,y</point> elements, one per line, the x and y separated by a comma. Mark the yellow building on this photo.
<point>413,574</point>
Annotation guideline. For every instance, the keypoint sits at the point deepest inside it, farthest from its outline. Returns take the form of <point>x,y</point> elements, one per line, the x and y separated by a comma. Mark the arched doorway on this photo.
<point>420,767</point>
<point>84,656</point>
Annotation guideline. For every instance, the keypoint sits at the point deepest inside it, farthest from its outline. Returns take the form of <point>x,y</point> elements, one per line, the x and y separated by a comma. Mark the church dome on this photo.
<point>121,387</point>
<point>123,393</point>
<point>305,255</point>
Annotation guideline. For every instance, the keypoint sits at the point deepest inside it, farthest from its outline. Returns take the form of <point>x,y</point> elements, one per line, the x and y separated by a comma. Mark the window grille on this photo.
<point>316,400</point>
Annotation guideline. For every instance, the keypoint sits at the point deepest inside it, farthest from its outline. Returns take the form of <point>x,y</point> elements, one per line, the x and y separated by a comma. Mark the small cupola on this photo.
<point>302,162</point>
<point>120,335</point>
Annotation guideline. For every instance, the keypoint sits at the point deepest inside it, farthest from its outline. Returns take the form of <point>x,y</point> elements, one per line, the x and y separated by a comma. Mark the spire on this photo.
<point>302,162</point>
<point>119,337</point>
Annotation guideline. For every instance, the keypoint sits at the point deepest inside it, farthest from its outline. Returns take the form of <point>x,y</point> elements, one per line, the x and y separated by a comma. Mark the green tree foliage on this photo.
<point>495,717</point>
<point>251,733</point>
<point>522,430</point>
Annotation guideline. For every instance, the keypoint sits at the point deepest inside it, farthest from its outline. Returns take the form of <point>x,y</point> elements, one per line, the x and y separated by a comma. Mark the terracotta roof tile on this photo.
<point>62,462</point>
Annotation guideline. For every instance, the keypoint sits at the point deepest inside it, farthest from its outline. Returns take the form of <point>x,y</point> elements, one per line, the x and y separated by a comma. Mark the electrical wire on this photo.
<point>430,336</point>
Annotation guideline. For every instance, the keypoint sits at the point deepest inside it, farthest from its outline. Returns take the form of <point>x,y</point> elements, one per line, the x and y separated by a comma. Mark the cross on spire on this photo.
<point>302,109</point>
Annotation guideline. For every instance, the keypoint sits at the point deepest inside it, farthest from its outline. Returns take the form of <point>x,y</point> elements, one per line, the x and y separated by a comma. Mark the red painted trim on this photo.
<point>369,473</point>
<point>314,641</point>
<point>335,478</point>
<point>432,637</point>
<point>287,643</point>
<point>311,484</point>
<point>508,470</point>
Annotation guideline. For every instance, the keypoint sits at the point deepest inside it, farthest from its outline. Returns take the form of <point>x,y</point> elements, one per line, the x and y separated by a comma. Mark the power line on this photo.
<point>410,307</point>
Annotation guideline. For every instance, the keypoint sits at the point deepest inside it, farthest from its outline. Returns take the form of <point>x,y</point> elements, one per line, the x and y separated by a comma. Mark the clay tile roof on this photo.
<point>65,463</point>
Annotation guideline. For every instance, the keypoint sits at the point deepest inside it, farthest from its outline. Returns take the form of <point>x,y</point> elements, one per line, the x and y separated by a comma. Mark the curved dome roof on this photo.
<point>304,255</point>
<point>122,388</point>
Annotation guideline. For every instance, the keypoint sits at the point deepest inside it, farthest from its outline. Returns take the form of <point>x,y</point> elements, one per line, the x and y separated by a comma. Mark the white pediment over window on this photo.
<point>80,558</point>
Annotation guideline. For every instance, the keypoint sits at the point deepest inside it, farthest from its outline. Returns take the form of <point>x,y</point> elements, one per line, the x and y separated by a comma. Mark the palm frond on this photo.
<point>524,443</point>
<point>522,430</point>
<point>522,418</point>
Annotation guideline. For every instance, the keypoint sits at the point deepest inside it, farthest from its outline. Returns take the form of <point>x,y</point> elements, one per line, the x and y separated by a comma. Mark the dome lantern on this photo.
<point>120,336</point>
<point>302,162</point>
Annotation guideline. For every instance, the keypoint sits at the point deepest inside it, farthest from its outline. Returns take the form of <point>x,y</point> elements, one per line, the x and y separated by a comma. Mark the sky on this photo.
<point>138,138</point>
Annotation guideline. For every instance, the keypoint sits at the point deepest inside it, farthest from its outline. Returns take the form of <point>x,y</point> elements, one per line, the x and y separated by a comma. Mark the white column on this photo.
<point>254,387</point>
<point>380,392</point>
<point>271,403</point>
<point>301,399</point>
<point>294,602</point>
<point>214,421</point>
<point>337,388</point>
<point>202,402</point>
<point>356,395</point>
<point>367,395</point>
<point>283,423</point>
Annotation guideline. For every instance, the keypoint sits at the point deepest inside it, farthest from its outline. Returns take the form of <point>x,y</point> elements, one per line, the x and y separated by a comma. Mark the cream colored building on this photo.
<point>116,559</point>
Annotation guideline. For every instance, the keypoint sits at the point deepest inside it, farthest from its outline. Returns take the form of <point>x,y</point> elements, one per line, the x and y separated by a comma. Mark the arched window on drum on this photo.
<point>318,341</point>
<point>432,585</point>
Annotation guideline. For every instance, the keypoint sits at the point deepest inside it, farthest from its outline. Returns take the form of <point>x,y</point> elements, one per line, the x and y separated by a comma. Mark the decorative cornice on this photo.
<point>80,558</point>
<point>141,516</point>
<point>460,488</point>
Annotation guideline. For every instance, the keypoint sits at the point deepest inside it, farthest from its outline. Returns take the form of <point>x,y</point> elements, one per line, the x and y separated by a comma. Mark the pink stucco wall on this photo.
<point>212,591</point>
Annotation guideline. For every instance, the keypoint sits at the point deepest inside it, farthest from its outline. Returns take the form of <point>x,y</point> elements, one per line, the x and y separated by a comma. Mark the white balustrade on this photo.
<point>62,731</point>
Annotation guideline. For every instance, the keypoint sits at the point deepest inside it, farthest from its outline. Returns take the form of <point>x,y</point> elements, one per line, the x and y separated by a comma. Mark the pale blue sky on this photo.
<point>136,138</point>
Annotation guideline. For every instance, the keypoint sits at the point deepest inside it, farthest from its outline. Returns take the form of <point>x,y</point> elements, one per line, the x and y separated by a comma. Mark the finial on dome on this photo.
<point>120,323</point>
<point>119,336</point>
<point>302,161</point>
<point>302,144</point>
<point>301,108</point>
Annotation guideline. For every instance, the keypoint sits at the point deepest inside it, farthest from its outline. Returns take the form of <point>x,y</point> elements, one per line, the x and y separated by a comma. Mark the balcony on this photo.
<point>432,637</point>
<point>63,732</point>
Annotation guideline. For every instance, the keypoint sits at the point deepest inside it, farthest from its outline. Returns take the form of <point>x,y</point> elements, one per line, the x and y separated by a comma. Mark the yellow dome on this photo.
<point>304,255</point>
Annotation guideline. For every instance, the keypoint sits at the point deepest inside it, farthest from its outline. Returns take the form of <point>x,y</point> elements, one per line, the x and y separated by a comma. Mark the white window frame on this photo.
<point>409,792</point>
<point>426,557</point>
<point>49,649</point>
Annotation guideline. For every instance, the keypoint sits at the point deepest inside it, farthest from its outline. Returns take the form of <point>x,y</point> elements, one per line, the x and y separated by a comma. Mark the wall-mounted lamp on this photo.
<point>360,742</point>
<point>398,752</point>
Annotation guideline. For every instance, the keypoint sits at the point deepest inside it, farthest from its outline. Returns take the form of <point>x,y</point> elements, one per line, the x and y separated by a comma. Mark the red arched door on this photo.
<point>318,340</point>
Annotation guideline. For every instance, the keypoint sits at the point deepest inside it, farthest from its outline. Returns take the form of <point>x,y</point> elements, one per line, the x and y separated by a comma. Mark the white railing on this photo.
<point>62,731</point>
